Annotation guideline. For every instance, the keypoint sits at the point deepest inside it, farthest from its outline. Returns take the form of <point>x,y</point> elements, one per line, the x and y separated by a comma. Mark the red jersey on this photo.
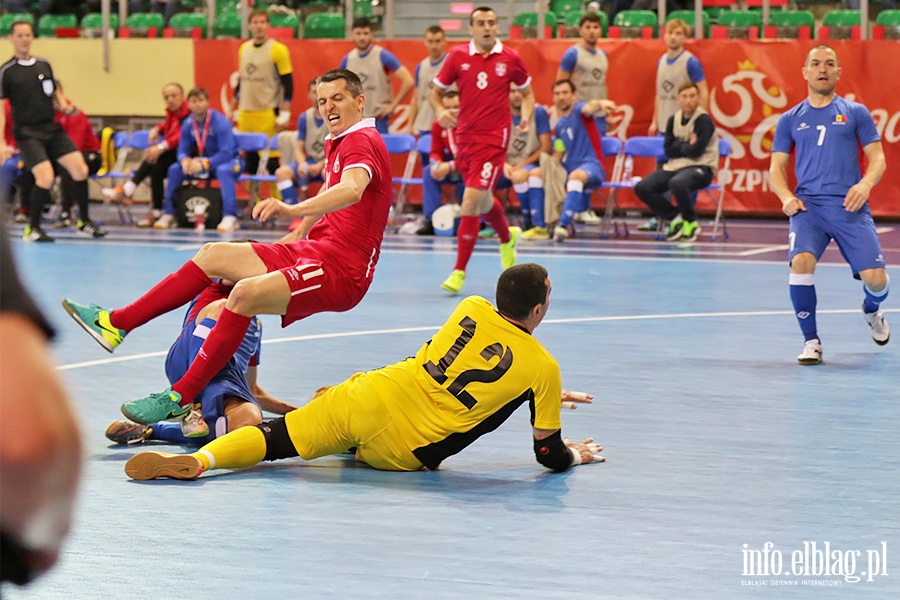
<point>483,82</point>
<point>354,233</point>
<point>79,130</point>
<point>7,135</point>
<point>170,129</point>
<point>443,143</point>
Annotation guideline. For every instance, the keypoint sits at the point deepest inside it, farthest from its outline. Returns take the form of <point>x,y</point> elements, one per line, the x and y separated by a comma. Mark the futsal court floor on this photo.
<point>717,441</point>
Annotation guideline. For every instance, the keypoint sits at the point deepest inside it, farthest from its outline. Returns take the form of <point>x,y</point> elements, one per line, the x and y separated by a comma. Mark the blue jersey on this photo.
<point>571,130</point>
<point>827,142</point>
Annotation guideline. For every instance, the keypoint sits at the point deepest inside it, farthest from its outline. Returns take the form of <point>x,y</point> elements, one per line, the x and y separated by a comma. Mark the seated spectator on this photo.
<point>578,130</point>
<point>521,170</point>
<point>442,165</point>
<point>692,148</point>
<point>309,152</point>
<point>158,157</point>
<point>206,149</point>
<point>78,128</point>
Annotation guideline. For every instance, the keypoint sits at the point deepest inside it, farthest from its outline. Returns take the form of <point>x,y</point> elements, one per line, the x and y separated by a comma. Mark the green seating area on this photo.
<point>791,24</point>
<point>324,25</point>
<point>631,23</point>
<point>527,24</point>
<point>184,24</point>
<point>887,25</point>
<point>144,24</point>
<point>736,24</point>
<point>688,17</point>
<point>48,24</point>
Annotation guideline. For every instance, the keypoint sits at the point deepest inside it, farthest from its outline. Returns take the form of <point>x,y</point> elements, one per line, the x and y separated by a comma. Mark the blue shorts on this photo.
<point>854,233</point>
<point>595,174</point>
<point>231,381</point>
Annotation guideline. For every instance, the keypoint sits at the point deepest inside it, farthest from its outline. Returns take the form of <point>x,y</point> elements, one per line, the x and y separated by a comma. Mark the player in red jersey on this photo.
<point>483,71</point>
<point>330,270</point>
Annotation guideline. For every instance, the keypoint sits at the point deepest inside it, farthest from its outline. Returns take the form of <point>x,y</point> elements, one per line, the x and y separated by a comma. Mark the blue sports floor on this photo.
<point>717,442</point>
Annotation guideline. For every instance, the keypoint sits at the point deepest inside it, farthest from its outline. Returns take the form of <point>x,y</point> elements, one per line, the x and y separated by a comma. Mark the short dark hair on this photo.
<point>434,29</point>
<point>174,84</point>
<point>479,9</point>
<point>451,94</point>
<point>354,85</point>
<point>822,47</point>
<point>520,289</point>
<point>590,17</point>
<point>688,85</point>
<point>198,92</point>
<point>312,83</point>
<point>567,82</point>
<point>17,22</point>
<point>361,22</point>
<point>258,13</point>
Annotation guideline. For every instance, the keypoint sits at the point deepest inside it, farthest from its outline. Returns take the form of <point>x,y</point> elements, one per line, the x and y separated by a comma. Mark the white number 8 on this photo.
<point>482,80</point>
<point>486,170</point>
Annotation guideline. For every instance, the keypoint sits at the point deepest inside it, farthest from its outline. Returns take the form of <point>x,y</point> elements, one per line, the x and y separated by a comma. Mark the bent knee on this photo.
<point>875,279</point>
<point>804,262</point>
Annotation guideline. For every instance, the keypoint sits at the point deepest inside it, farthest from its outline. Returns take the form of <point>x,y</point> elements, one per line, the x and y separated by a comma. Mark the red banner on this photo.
<point>751,83</point>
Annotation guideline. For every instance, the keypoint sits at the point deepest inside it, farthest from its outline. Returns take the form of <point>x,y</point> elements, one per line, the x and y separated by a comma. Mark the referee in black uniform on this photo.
<point>28,83</point>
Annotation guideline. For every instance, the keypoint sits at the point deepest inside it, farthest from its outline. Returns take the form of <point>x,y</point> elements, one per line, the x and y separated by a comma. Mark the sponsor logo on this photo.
<point>465,67</point>
<point>803,126</point>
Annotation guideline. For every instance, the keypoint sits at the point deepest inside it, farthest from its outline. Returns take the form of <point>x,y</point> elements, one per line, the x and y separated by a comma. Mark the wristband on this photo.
<point>576,456</point>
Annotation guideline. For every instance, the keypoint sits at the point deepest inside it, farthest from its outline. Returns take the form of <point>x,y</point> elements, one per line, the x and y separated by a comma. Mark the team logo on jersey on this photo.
<point>840,120</point>
<point>802,127</point>
<point>337,165</point>
<point>500,69</point>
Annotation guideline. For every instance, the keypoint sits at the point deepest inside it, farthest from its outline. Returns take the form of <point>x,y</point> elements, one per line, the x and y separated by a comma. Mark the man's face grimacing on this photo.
<point>337,106</point>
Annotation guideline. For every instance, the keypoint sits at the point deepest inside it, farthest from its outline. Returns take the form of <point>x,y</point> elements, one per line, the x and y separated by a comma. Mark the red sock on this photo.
<point>223,341</point>
<point>497,220</point>
<point>466,236</point>
<point>176,290</point>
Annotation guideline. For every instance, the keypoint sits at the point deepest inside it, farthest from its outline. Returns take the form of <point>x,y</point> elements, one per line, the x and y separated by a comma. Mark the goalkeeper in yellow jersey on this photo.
<point>480,366</point>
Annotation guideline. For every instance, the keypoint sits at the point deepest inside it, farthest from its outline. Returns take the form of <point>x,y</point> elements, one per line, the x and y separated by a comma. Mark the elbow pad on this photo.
<point>553,453</point>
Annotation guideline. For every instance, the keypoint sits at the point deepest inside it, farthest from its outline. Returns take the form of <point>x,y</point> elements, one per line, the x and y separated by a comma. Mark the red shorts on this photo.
<point>317,283</point>
<point>480,165</point>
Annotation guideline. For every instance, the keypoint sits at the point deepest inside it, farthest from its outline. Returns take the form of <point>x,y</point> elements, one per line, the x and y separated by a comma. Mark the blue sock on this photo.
<point>289,194</point>
<point>874,299</point>
<point>572,205</point>
<point>524,196</point>
<point>803,296</point>
<point>536,199</point>
<point>171,432</point>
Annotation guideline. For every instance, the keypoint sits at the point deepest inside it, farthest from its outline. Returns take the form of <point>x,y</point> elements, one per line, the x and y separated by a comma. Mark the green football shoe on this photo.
<point>454,283</point>
<point>508,250</point>
<point>161,406</point>
<point>95,320</point>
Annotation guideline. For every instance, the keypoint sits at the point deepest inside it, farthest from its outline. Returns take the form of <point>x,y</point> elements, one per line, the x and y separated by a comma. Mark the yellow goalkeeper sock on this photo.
<point>236,450</point>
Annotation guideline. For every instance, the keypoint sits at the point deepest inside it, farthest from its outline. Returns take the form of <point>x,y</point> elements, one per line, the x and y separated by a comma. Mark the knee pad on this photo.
<point>278,442</point>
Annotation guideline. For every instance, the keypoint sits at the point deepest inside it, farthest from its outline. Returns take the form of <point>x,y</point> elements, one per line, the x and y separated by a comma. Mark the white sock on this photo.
<point>129,188</point>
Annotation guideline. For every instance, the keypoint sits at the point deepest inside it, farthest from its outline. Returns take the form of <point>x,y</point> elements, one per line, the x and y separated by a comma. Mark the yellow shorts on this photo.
<point>344,417</point>
<point>257,121</point>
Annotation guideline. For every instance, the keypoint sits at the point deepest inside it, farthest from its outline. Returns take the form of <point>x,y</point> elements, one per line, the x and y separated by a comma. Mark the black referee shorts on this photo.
<point>37,144</point>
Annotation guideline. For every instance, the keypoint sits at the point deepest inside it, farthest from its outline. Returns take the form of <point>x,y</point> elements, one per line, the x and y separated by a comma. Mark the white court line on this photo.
<point>764,250</point>
<point>346,334</point>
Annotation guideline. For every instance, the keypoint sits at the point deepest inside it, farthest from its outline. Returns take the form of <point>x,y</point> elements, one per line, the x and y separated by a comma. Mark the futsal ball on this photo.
<point>445,219</point>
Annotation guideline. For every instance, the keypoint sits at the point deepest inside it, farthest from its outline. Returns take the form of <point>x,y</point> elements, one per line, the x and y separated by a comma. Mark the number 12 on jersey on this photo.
<point>438,371</point>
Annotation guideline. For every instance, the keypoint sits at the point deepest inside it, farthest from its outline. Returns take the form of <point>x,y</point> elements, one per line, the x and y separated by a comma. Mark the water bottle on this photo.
<point>629,168</point>
<point>199,218</point>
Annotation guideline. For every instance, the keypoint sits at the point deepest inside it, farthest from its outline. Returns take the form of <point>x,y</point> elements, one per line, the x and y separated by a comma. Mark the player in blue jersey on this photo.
<point>831,199</point>
<point>232,399</point>
<point>580,126</point>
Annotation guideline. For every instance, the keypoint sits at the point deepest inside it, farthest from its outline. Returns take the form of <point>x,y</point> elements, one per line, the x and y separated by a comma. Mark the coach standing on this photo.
<point>28,83</point>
